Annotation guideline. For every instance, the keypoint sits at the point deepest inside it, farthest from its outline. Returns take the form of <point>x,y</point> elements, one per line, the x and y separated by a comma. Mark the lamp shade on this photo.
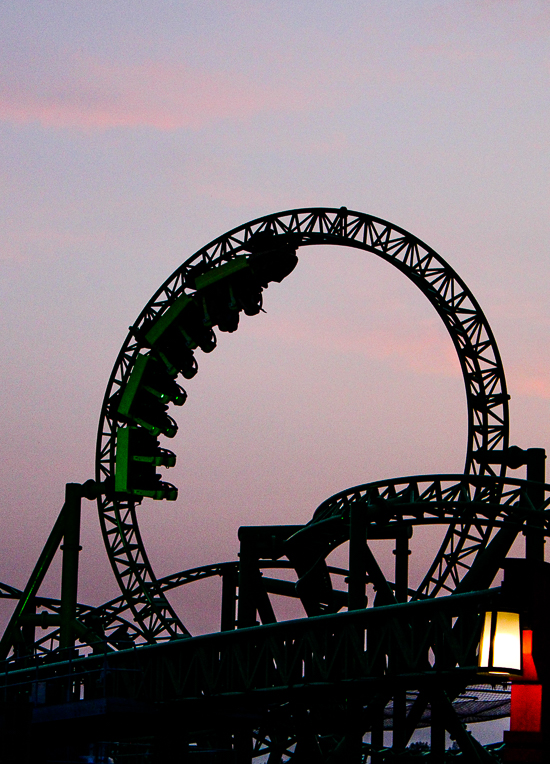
<point>500,646</point>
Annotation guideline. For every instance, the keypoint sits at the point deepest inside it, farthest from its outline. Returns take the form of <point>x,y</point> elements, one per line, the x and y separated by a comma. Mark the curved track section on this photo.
<point>485,502</point>
<point>475,506</point>
<point>269,240</point>
<point>490,504</point>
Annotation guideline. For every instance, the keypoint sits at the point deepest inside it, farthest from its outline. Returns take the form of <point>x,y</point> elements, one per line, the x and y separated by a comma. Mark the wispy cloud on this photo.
<point>89,94</point>
<point>530,385</point>
<point>424,350</point>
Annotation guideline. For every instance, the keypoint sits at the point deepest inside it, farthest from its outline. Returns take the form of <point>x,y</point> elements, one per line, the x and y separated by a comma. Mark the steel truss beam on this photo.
<point>486,394</point>
<point>274,675</point>
<point>485,503</point>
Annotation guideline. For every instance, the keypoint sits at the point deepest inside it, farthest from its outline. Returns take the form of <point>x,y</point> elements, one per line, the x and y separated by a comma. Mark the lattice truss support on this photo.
<point>487,398</point>
<point>316,685</point>
<point>494,510</point>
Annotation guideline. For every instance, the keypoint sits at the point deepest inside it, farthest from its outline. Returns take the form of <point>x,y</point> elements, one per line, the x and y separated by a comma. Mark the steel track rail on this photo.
<point>483,374</point>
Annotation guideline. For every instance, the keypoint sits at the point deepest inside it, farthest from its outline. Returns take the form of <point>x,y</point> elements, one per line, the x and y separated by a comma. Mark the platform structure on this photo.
<point>373,659</point>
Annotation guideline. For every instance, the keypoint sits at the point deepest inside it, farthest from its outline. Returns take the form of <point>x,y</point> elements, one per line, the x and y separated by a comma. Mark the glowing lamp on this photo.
<point>500,649</point>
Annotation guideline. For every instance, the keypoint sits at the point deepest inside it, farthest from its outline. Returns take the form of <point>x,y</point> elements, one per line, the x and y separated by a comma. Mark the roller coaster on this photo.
<point>374,658</point>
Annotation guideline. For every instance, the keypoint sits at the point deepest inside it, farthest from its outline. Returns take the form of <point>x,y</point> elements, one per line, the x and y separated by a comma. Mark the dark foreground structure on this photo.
<point>374,658</point>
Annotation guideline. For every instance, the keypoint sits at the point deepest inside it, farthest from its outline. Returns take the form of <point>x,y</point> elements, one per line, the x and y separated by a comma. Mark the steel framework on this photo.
<point>376,652</point>
<point>260,682</point>
<point>486,395</point>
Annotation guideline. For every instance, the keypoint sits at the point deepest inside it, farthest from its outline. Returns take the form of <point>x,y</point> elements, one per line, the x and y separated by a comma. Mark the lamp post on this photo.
<point>500,650</point>
<point>535,460</point>
<point>526,591</point>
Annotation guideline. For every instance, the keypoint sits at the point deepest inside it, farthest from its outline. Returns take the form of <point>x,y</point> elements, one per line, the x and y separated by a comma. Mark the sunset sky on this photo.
<point>133,133</point>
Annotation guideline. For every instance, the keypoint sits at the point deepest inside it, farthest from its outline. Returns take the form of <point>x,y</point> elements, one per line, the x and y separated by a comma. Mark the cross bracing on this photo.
<point>486,394</point>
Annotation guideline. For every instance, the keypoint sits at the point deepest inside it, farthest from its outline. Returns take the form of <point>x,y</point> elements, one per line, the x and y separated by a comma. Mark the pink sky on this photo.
<point>98,95</point>
<point>129,140</point>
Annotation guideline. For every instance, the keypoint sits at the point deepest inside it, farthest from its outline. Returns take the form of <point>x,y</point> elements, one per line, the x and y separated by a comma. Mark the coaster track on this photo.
<point>306,689</point>
<point>490,504</point>
<point>486,395</point>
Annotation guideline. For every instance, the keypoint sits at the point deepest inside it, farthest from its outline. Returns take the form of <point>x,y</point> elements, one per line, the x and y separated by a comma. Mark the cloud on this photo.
<point>536,385</point>
<point>92,95</point>
<point>423,351</point>
<point>266,62</point>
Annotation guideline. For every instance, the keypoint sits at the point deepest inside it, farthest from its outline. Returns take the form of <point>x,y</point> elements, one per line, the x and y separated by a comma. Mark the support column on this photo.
<point>377,735</point>
<point>437,733</point>
<point>248,573</point>
<point>243,747</point>
<point>536,468</point>
<point>353,747</point>
<point>28,631</point>
<point>229,598</point>
<point>401,552</point>
<point>357,553</point>
<point>69,575</point>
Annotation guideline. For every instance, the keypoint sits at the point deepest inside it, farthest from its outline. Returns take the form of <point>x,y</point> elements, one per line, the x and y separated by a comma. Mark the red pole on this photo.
<point>524,741</point>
